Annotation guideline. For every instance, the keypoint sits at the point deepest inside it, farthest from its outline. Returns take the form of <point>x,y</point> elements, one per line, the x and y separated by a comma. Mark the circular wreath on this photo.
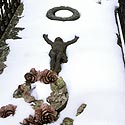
<point>51,14</point>
<point>56,102</point>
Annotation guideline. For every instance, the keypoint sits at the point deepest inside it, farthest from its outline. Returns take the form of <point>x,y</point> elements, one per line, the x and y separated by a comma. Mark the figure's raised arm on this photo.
<point>45,36</point>
<point>72,41</point>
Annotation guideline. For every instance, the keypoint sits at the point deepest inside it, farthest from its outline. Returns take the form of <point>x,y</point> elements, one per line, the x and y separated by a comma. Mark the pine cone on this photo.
<point>45,114</point>
<point>39,75</point>
<point>33,71</point>
<point>28,121</point>
<point>49,76</point>
<point>7,110</point>
<point>30,78</point>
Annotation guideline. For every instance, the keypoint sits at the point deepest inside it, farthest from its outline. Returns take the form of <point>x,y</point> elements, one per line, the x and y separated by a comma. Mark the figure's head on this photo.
<point>58,39</point>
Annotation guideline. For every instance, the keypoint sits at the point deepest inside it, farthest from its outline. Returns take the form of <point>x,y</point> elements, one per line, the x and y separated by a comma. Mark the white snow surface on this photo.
<point>94,73</point>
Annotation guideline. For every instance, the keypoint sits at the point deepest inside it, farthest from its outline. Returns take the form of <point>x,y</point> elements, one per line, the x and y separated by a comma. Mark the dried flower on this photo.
<point>7,110</point>
<point>49,76</point>
<point>45,114</point>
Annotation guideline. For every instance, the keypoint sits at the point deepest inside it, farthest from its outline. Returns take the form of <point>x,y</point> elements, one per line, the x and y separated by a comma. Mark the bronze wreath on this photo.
<point>57,101</point>
<point>51,14</point>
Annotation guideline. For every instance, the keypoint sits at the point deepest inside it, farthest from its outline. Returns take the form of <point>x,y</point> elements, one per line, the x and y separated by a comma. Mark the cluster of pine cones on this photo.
<point>46,76</point>
<point>43,115</point>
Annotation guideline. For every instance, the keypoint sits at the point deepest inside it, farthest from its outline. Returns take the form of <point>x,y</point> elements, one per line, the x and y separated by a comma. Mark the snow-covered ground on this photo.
<point>94,74</point>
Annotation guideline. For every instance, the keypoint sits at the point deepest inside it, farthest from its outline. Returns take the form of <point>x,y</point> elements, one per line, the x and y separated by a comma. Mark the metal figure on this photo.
<point>58,52</point>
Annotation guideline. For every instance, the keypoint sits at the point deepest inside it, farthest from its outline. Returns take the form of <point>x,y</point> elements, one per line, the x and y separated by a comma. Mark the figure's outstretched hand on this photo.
<point>76,37</point>
<point>45,35</point>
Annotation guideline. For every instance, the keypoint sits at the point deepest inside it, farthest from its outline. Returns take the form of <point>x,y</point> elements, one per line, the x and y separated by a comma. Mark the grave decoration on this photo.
<point>49,111</point>
<point>44,113</point>
<point>7,110</point>
<point>51,14</point>
<point>81,109</point>
<point>67,121</point>
<point>58,52</point>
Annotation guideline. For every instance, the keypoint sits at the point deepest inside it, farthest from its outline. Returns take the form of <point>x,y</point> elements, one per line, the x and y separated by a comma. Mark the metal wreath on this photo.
<point>51,14</point>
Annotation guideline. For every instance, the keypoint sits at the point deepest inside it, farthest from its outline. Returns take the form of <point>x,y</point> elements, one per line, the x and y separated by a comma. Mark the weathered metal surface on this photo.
<point>59,95</point>
<point>67,121</point>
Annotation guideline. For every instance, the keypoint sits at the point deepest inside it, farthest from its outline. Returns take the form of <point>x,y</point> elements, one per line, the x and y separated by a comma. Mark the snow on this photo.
<point>63,13</point>
<point>94,73</point>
